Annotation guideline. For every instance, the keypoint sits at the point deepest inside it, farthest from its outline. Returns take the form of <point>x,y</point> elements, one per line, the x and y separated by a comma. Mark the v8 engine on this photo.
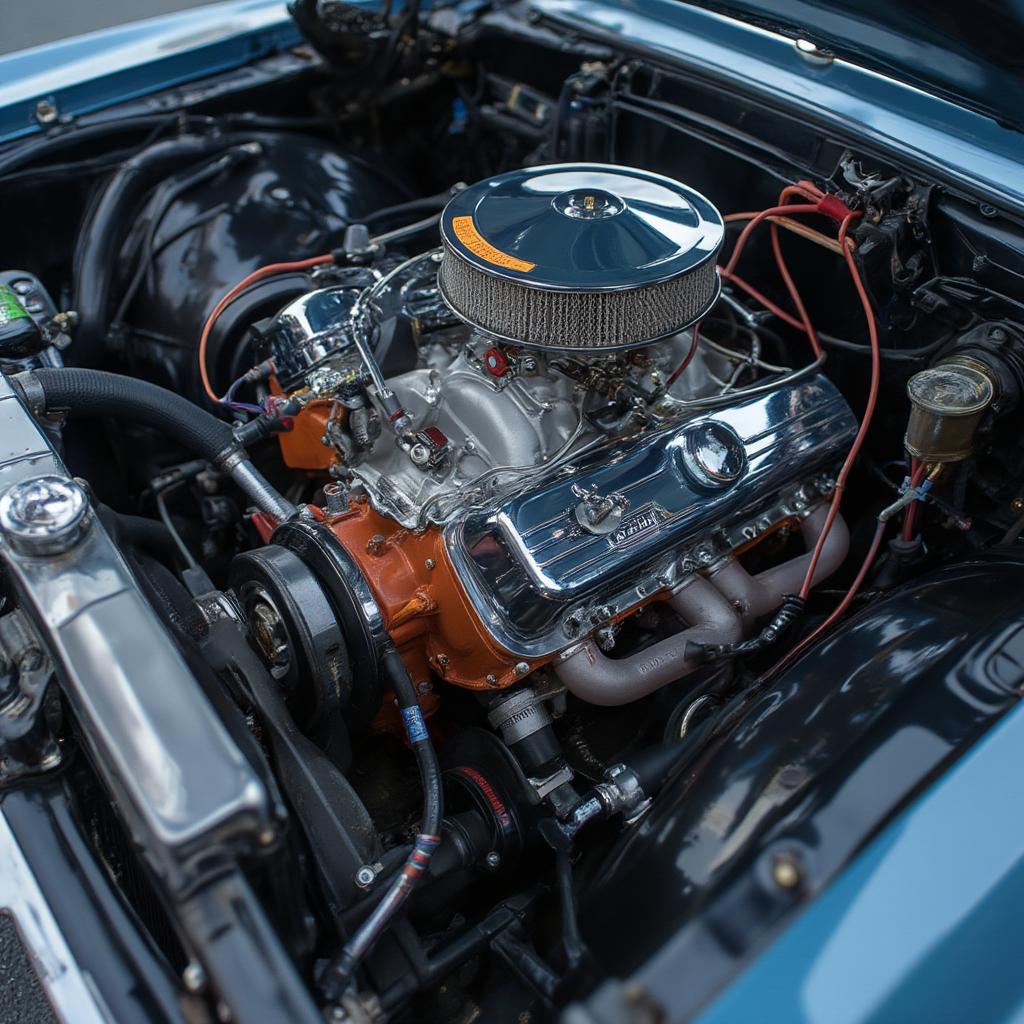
<point>544,469</point>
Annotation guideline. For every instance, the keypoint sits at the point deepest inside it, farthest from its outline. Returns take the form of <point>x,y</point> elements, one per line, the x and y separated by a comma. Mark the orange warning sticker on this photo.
<point>466,232</point>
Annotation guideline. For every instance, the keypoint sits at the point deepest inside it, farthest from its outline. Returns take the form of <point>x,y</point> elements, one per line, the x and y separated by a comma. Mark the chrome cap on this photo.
<point>712,454</point>
<point>44,515</point>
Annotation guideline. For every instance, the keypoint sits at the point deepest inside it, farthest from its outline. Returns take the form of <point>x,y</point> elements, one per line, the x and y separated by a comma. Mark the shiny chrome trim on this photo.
<point>176,773</point>
<point>538,582</point>
<point>68,990</point>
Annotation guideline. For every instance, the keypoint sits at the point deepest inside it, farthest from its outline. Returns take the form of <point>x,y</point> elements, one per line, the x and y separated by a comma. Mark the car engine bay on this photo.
<point>464,491</point>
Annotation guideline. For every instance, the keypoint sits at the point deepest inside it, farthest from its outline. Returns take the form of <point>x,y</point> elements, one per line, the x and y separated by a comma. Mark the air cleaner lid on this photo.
<point>582,227</point>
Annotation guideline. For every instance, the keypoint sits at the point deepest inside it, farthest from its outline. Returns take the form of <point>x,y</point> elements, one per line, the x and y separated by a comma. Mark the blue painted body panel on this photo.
<point>97,70</point>
<point>923,925</point>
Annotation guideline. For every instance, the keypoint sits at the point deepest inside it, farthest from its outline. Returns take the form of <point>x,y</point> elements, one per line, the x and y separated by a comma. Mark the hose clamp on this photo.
<point>31,391</point>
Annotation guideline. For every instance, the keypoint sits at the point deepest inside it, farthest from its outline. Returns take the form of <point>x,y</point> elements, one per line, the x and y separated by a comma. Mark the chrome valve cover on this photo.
<point>544,566</point>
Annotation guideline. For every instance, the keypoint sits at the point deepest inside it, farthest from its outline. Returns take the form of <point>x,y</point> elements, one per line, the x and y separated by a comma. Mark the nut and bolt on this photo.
<point>365,876</point>
<point>786,871</point>
<point>430,563</point>
<point>1017,504</point>
<point>442,660</point>
<point>493,860</point>
<point>522,668</point>
<point>194,976</point>
<point>268,630</point>
<point>492,679</point>
<point>335,499</point>
<point>375,545</point>
<point>46,112</point>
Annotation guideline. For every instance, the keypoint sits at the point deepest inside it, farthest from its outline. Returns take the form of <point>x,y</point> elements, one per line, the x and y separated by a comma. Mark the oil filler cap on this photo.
<point>712,455</point>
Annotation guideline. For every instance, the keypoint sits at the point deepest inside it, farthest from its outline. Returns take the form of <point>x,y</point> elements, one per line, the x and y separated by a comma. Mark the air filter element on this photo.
<point>587,257</point>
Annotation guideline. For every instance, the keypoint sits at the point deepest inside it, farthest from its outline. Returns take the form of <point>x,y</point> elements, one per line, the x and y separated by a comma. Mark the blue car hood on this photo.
<point>971,54</point>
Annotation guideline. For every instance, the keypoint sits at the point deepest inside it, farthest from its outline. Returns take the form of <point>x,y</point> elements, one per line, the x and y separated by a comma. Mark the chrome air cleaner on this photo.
<point>587,257</point>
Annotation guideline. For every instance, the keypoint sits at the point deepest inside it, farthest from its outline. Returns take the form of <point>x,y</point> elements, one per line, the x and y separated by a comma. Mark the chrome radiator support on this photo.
<point>551,565</point>
<point>181,781</point>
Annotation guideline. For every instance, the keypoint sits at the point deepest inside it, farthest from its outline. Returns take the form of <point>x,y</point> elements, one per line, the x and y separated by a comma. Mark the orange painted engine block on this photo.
<point>424,606</point>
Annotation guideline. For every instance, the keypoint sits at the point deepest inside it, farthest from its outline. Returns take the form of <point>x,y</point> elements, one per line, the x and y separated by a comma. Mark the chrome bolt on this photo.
<point>267,836</point>
<point>194,976</point>
<point>365,876</point>
<point>430,563</point>
<point>813,53</point>
<point>443,659</point>
<point>44,515</point>
<point>522,668</point>
<point>492,679</point>
<point>493,860</point>
<point>46,112</point>
<point>786,871</point>
<point>336,499</point>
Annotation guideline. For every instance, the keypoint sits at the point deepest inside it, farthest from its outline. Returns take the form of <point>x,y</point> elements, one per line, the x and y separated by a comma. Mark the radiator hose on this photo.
<point>95,393</point>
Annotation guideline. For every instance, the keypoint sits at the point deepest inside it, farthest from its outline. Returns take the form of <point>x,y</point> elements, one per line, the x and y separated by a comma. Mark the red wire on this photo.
<point>794,294</point>
<point>869,410</point>
<point>688,358</point>
<point>918,471</point>
<point>762,299</point>
<point>232,294</point>
<point>843,605</point>
<point>772,211</point>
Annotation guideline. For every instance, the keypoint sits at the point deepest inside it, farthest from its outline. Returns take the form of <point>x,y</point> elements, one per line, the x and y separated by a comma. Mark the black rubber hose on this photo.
<point>339,971</point>
<point>109,219</point>
<point>150,534</point>
<point>426,757</point>
<point>83,393</point>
